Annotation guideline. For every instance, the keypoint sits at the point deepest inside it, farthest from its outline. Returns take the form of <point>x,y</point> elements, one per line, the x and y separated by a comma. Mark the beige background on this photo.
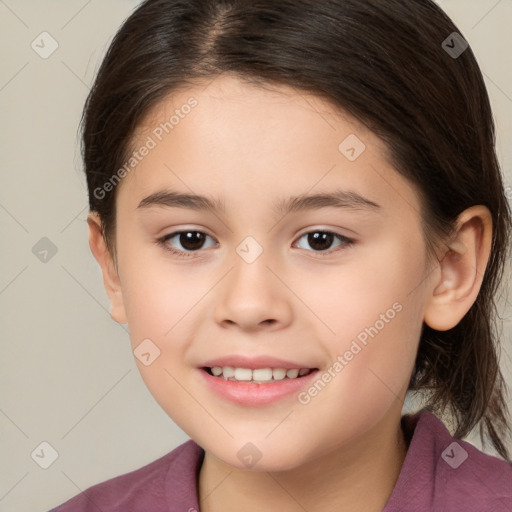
<point>67,373</point>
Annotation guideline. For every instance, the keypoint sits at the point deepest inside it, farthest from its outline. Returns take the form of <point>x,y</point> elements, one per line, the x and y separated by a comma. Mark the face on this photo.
<point>262,275</point>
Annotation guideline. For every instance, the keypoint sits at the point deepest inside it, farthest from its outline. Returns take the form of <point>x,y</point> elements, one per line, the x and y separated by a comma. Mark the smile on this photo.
<point>256,387</point>
<point>257,375</point>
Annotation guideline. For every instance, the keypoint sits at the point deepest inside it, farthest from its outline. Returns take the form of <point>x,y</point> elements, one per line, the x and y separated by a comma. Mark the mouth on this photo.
<point>253,381</point>
<point>257,375</point>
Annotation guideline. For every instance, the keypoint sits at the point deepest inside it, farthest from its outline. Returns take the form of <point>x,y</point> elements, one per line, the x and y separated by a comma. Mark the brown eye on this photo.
<point>191,240</point>
<point>321,241</point>
<point>186,241</point>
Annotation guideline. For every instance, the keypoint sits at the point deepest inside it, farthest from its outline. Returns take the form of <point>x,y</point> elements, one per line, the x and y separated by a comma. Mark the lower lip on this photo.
<point>250,394</point>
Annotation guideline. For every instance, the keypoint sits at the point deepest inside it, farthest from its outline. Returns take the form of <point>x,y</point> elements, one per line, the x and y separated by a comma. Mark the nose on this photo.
<point>251,297</point>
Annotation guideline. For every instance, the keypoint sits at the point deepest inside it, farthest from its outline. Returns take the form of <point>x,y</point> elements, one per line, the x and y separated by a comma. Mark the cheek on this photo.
<point>156,304</point>
<point>374,308</point>
<point>163,304</point>
<point>157,293</point>
<point>150,303</point>
<point>353,296</point>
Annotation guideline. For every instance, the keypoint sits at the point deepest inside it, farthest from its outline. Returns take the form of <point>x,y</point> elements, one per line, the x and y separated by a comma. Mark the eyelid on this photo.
<point>325,229</point>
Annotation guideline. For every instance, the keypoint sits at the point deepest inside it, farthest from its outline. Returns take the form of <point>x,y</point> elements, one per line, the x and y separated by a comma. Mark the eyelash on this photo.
<point>163,241</point>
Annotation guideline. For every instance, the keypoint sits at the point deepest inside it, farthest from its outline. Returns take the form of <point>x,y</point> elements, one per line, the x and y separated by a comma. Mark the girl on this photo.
<point>298,211</point>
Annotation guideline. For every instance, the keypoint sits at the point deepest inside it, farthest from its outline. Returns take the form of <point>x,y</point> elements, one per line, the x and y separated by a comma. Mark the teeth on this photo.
<point>279,373</point>
<point>261,374</point>
<point>257,375</point>
<point>243,374</point>
<point>292,374</point>
<point>228,372</point>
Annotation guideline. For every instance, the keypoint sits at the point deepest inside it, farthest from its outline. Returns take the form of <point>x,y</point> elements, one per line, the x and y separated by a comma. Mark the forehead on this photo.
<point>253,106</point>
<point>227,134</point>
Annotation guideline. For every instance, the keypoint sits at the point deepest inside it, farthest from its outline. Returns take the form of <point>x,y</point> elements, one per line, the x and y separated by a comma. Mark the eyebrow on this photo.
<point>337,199</point>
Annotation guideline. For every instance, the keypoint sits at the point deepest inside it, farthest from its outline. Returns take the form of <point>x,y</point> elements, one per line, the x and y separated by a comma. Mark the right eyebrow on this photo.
<point>173,199</point>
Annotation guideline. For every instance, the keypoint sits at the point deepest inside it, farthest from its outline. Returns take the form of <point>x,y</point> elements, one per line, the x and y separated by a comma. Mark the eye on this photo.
<point>188,241</point>
<point>321,241</point>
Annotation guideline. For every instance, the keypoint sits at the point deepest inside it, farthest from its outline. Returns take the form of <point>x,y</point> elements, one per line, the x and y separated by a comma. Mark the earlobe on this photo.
<point>462,268</point>
<point>105,260</point>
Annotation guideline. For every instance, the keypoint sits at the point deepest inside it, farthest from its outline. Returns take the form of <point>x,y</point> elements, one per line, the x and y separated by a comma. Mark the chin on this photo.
<point>259,457</point>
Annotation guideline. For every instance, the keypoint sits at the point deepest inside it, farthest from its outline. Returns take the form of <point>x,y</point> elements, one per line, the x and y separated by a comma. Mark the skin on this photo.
<point>251,146</point>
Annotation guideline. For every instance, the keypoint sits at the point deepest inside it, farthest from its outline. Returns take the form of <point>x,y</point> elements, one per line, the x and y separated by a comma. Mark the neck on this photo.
<point>356,478</point>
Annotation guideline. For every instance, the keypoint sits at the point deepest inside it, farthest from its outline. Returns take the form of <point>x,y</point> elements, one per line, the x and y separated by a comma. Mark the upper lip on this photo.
<point>253,363</point>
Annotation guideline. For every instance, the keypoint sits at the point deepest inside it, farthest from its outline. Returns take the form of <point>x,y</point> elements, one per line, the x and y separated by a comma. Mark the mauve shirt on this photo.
<point>440,474</point>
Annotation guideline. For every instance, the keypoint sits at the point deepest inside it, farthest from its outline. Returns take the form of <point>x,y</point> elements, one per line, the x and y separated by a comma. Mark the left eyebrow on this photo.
<point>337,199</point>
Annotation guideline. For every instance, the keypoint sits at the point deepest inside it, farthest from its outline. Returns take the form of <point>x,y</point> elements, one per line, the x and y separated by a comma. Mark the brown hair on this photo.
<point>382,61</point>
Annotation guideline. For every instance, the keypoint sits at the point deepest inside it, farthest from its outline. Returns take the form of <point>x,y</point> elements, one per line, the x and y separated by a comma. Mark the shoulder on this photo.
<point>479,480</point>
<point>447,474</point>
<point>151,487</point>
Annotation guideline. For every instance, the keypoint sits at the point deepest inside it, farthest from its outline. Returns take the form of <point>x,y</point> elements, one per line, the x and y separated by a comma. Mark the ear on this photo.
<point>462,269</point>
<point>110,276</point>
